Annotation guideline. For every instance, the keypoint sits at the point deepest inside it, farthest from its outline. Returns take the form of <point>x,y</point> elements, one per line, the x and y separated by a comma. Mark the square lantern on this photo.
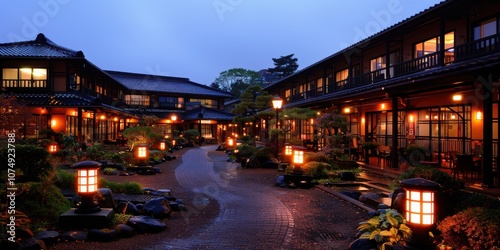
<point>87,185</point>
<point>230,142</point>
<point>420,201</point>
<point>163,145</point>
<point>53,147</point>
<point>298,155</point>
<point>141,151</point>
<point>420,211</point>
<point>288,150</point>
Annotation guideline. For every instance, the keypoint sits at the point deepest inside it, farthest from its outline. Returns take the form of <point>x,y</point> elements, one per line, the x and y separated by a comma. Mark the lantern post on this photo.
<point>420,210</point>
<point>86,186</point>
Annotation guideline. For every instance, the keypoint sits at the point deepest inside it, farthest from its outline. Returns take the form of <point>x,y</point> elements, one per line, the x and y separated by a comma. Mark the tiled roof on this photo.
<point>208,114</point>
<point>58,100</point>
<point>167,84</point>
<point>40,47</point>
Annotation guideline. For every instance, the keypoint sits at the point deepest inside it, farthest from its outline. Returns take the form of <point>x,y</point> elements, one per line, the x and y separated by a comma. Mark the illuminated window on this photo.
<point>24,78</point>
<point>341,78</point>
<point>137,100</point>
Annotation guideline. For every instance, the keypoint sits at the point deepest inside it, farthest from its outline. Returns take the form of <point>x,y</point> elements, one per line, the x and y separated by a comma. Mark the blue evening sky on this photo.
<point>200,39</point>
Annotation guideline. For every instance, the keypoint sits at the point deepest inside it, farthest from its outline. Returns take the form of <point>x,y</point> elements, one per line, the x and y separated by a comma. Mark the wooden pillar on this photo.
<point>487,159</point>
<point>395,135</point>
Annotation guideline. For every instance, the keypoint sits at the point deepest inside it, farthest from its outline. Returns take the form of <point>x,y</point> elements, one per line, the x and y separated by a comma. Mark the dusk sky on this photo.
<point>200,39</point>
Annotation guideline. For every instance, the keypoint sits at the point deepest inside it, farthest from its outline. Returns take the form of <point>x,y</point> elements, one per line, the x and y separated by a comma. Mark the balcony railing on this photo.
<point>478,47</point>
<point>24,83</point>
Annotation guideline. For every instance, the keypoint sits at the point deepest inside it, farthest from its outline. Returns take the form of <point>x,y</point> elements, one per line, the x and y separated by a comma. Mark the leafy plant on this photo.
<point>120,219</point>
<point>473,228</point>
<point>32,160</point>
<point>385,229</point>
<point>96,152</point>
<point>65,179</point>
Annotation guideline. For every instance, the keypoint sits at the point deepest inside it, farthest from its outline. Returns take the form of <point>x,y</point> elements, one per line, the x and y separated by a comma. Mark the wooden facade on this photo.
<point>431,80</point>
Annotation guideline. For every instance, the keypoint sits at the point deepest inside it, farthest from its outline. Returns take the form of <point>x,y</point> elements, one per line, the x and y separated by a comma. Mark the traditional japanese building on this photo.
<point>59,89</point>
<point>430,80</point>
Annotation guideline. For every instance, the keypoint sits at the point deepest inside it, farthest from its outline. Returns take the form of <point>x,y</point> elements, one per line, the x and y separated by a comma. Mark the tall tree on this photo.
<point>236,80</point>
<point>284,66</point>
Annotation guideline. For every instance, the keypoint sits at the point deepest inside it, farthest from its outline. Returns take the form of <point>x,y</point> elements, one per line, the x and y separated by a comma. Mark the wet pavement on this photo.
<point>254,214</point>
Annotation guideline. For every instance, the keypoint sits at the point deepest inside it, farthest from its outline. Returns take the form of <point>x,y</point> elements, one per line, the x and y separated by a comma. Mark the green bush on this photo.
<point>317,170</point>
<point>262,155</point>
<point>447,182</point>
<point>120,219</point>
<point>318,156</point>
<point>466,200</point>
<point>41,201</point>
<point>32,160</point>
<point>125,187</point>
<point>473,228</point>
<point>386,229</point>
<point>65,179</point>
<point>96,152</point>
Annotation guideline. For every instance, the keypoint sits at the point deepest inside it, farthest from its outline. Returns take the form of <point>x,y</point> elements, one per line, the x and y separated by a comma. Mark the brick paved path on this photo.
<point>256,215</point>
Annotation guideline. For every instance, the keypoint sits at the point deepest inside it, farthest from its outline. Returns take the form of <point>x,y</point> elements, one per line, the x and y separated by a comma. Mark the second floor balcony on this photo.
<point>461,53</point>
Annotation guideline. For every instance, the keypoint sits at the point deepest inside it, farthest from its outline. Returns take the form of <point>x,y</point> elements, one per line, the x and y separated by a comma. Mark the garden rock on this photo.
<point>145,224</point>
<point>101,235</point>
<point>157,170</point>
<point>32,244</point>
<point>124,231</point>
<point>157,207</point>
<point>280,181</point>
<point>74,236</point>
<point>106,199</point>
<point>127,208</point>
<point>368,197</point>
<point>346,176</point>
<point>175,206</point>
<point>48,237</point>
<point>139,206</point>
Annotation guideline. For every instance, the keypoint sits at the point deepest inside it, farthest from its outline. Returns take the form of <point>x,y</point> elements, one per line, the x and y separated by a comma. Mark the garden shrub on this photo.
<point>124,187</point>
<point>473,228</point>
<point>120,219</point>
<point>65,179</point>
<point>447,182</point>
<point>466,200</point>
<point>32,160</point>
<point>319,156</point>
<point>262,155</point>
<point>315,169</point>
<point>96,152</point>
<point>41,201</point>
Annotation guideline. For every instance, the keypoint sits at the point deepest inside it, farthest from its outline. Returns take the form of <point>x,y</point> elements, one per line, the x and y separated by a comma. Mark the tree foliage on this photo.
<point>141,134</point>
<point>14,115</point>
<point>236,80</point>
<point>253,100</point>
<point>284,66</point>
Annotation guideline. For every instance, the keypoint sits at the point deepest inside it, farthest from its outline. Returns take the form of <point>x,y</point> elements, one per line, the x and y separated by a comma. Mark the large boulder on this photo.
<point>157,207</point>
<point>145,224</point>
<point>124,231</point>
<point>105,198</point>
<point>48,237</point>
<point>127,208</point>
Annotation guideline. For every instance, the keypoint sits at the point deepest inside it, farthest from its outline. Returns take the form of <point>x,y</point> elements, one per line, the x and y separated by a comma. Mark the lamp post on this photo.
<point>277,103</point>
<point>86,186</point>
<point>420,210</point>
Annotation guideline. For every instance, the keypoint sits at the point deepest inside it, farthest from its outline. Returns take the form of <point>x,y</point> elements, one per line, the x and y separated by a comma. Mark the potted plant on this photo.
<point>385,229</point>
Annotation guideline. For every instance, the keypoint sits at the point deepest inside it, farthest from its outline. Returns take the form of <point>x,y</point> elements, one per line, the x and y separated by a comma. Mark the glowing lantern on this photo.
<point>141,151</point>
<point>230,142</point>
<point>173,142</point>
<point>163,145</point>
<point>288,150</point>
<point>86,186</point>
<point>298,155</point>
<point>420,211</point>
<point>53,147</point>
<point>420,208</point>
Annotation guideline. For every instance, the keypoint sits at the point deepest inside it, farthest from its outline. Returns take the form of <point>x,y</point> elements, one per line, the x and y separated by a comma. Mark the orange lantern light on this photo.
<point>87,185</point>
<point>420,212</point>
<point>173,142</point>
<point>141,151</point>
<point>298,155</point>
<point>420,202</point>
<point>288,150</point>
<point>53,147</point>
<point>230,142</point>
<point>163,145</point>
